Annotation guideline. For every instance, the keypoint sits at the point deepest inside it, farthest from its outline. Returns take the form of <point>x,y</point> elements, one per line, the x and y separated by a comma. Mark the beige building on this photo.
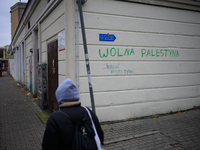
<point>16,14</point>
<point>144,55</point>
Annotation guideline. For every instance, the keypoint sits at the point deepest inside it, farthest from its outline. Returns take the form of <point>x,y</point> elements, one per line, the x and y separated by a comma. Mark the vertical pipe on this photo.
<point>39,43</point>
<point>25,83</point>
<point>34,61</point>
<point>18,64</point>
<point>19,61</point>
<point>23,62</point>
<point>86,55</point>
<point>77,48</point>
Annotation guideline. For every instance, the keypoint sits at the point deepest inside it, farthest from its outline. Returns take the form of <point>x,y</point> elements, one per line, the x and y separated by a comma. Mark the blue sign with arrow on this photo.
<point>107,37</point>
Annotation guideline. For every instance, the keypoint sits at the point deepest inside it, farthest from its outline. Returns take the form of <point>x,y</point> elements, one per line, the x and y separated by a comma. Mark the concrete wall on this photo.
<point>153,65</point>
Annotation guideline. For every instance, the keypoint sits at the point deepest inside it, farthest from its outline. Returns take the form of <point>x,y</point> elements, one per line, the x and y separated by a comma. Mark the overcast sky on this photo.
<point>5,25</point>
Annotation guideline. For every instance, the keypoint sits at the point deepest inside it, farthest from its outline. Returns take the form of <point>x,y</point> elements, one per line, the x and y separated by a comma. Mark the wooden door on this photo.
<point>52,49</point>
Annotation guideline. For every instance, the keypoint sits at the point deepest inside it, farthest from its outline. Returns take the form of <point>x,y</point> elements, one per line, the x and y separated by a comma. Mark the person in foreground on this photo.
<point>60,129</point>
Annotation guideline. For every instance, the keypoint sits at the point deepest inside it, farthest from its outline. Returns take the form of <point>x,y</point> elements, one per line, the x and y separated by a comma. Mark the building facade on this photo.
<point>144,55</point>
<point>16,14</point>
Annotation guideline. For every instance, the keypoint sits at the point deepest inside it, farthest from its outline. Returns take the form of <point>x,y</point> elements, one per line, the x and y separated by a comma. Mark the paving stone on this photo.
<point>182,129</point>
<point>21,129</point>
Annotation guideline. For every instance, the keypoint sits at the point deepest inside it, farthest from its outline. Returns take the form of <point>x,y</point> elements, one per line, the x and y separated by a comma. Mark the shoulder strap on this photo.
<point>98,142</point>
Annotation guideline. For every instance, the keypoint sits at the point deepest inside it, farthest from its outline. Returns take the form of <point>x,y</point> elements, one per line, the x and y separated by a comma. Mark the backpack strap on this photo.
<point>98,142</point>
<point>82,134</point>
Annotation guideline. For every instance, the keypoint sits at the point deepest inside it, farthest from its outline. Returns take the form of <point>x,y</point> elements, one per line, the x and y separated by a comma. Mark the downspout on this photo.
<point>18,65</point>
<point>86,53</point>
<point>21,59</point>
<point>77,49</point>
<point>34,61</point>
<point>39,43</point>
<point>25,63</point>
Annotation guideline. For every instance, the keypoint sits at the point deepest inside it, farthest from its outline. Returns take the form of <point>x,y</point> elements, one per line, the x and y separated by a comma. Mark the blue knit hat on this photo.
<point>67,92</point>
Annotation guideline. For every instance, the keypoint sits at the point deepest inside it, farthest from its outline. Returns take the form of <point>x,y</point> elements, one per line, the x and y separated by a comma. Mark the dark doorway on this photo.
<point>52,49</point>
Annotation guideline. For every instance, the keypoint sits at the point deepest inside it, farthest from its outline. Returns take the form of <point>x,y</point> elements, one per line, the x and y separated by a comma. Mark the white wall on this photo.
<point>16,65</point>
<point>48,25</point>
<point>12,68</point>
<point>153,65</point>
<point>28,46</point>
<point>22,56</point>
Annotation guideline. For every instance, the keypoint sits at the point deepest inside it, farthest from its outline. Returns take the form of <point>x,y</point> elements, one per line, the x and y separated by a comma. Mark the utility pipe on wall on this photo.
<point>35,65</point>
<point>77,49</point>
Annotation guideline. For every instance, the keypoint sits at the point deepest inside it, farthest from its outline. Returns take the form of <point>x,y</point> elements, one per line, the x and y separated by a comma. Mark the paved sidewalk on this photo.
<point>21,129</point>
<point>180,131</point>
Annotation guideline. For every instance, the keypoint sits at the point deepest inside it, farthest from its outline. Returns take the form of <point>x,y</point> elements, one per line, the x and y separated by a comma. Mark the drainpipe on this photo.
<point>34,61</point>
<point>25,84</point>
<point>39,43</point>
<point>17,73</point>
<point>21,58</point>
<point>23,64</point>
<point>77,48</point>
<point>86,53</point>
